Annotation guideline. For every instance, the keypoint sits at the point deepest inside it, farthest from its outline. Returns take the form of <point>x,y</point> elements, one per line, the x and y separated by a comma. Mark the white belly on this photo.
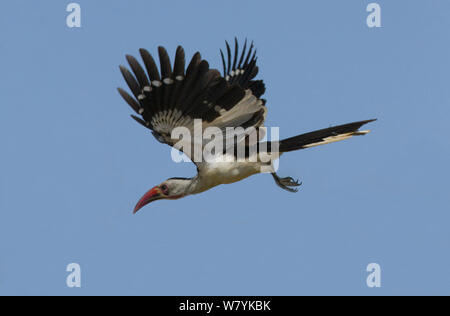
<point>211,175</point>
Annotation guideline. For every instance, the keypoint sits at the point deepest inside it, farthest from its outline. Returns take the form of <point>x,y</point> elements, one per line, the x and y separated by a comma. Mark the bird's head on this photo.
<point>171,189</point>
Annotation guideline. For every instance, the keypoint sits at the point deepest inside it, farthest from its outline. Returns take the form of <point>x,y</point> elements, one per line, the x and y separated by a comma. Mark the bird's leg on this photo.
<point>286,183</point>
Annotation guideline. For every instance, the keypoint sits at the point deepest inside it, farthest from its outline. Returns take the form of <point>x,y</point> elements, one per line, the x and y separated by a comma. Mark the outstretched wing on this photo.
<point>242,70</point>
<point>175,97</point>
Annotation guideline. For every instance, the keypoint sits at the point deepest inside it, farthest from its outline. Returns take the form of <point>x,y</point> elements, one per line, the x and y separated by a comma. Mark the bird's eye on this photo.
<point>165,189</point>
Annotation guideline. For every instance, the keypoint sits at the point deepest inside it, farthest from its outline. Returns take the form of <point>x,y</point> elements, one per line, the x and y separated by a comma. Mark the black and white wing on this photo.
<point>242,70</point>
<point>175,97</point>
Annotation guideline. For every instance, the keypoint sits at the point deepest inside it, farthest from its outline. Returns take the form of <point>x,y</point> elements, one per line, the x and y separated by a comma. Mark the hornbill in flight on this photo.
<point>178,97</point>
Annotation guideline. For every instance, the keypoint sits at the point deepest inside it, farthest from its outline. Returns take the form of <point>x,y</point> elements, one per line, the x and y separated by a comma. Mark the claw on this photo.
<point>286,183</point>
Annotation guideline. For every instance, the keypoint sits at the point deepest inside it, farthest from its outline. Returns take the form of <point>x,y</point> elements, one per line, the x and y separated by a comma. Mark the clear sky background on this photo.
<point>73,163</point>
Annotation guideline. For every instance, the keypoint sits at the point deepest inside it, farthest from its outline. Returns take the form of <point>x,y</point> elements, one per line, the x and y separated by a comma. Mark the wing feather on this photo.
<point>173,97</point>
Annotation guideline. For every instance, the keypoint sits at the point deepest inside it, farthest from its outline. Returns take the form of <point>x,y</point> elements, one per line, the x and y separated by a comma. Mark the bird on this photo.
<point>171,98</point>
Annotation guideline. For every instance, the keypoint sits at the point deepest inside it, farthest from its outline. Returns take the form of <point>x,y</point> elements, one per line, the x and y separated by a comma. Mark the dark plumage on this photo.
<point>196,92</point>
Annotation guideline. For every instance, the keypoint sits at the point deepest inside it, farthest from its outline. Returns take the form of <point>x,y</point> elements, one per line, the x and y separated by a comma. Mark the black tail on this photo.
<point>323,136</point>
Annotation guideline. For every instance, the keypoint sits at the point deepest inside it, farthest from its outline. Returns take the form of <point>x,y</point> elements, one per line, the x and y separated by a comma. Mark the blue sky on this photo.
<point>73,164</point>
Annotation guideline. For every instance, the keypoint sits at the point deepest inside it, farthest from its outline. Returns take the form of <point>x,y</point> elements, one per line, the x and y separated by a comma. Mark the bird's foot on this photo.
<point>287,183</point>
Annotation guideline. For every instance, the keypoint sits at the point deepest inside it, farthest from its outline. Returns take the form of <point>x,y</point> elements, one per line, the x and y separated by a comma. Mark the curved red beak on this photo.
<point>152,195</point>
